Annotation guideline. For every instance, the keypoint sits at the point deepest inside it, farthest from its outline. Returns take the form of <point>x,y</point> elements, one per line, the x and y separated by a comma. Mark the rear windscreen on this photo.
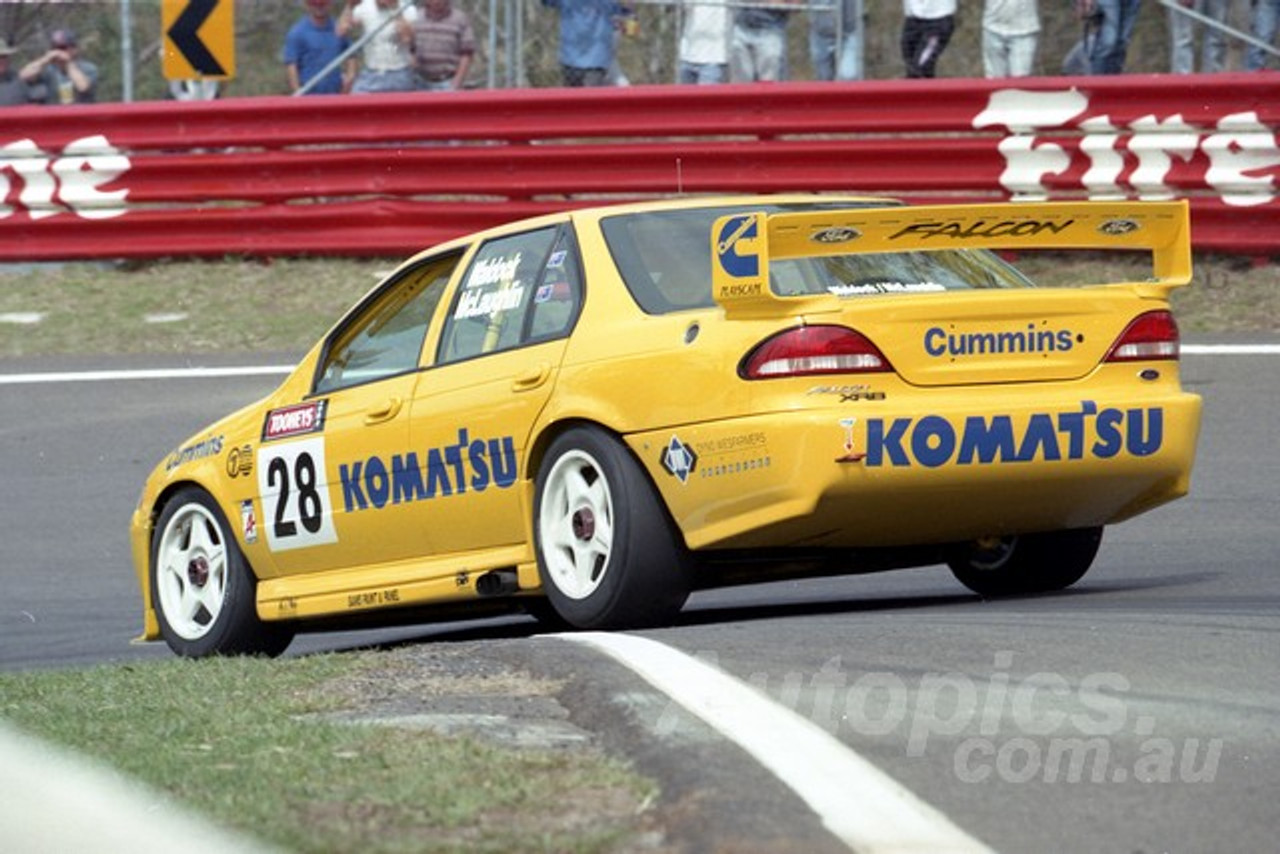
<point>664,257</point>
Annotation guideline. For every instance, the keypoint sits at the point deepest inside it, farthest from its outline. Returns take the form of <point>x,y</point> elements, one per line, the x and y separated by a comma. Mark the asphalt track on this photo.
<point>1138,711</point>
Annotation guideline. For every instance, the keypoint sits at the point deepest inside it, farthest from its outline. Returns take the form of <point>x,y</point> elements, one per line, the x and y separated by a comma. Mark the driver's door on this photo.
<point>326,465</point>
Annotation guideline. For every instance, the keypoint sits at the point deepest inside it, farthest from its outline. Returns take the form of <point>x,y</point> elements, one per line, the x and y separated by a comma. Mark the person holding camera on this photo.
<point>60,75</point>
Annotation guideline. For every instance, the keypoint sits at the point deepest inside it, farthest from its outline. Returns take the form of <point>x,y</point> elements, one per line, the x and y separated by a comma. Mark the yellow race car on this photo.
<point>590,414</point>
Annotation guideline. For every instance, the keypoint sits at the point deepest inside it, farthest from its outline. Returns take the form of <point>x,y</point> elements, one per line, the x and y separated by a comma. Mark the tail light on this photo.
<point>1149,336</point>
<point>811,350</point>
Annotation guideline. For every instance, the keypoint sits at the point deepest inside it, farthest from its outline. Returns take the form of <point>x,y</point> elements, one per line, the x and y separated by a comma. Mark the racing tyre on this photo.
<point>549,619</point>
<point>608,554</point>
<point>202,588</point>
<point>1030,563</point>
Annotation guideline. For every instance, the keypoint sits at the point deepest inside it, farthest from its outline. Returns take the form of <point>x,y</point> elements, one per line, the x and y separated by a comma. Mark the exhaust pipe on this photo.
<point>499,582</point>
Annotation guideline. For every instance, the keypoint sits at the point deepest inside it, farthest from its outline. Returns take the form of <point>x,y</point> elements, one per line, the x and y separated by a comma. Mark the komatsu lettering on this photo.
<point>474,464</point>
<point>959,230</point>
<point>940,342</point>
<point>933,441</point>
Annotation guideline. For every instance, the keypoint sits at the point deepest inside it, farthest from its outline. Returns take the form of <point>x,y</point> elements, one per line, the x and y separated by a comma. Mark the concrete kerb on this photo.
<point>55,801</point>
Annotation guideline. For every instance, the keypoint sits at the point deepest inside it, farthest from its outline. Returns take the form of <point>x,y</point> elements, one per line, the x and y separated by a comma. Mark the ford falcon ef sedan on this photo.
<point>589,415</point>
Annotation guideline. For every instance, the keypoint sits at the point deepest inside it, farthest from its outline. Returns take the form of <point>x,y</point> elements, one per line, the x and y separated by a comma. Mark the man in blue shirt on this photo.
<point>311,44</point>
<point>586,39</point>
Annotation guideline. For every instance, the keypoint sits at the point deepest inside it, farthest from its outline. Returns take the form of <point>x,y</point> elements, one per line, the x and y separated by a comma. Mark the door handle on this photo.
<point>385,411</point>
<point>531,378</point>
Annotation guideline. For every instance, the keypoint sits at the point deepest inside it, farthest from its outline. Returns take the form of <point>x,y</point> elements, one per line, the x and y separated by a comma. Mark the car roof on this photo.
<point>692,202</point>
<point>596,213</point>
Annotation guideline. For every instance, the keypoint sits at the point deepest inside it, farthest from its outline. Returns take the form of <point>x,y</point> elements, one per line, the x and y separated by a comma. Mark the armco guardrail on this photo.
<point>389,174</point>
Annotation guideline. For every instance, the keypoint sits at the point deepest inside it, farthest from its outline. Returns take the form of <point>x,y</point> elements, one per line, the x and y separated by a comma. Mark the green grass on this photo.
<point>245,742</point>
<point>230,306</point>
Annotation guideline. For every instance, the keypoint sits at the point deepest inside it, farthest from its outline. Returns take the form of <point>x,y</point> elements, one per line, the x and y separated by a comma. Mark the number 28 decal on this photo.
<point>295,500</point>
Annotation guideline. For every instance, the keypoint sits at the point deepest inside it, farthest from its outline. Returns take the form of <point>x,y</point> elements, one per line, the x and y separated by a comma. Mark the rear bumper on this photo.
<point>862,475</point>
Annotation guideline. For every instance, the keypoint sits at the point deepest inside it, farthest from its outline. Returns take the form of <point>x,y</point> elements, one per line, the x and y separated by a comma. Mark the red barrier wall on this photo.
<point>390,174</point>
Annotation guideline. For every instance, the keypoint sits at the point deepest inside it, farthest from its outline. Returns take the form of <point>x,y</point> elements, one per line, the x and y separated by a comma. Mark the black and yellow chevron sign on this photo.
<point>199,39</point>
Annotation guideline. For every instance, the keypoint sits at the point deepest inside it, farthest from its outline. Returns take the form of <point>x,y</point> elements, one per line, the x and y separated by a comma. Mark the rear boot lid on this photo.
<point>921,285</point>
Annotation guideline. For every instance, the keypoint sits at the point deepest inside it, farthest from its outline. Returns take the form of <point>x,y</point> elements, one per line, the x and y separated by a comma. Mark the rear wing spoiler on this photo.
<point>743,245</point>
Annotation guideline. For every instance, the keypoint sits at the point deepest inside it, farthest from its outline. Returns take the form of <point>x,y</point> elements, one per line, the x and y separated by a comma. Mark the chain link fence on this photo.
<point>519,41</point>
<point>524,36</point>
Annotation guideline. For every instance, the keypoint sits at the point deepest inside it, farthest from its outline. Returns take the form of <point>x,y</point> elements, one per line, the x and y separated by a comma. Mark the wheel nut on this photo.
<point>584,524</point>
<point>198,572</point>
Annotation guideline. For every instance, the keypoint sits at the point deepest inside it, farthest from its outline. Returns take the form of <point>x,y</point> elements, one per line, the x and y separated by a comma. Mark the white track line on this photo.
<point>861,805</point>
<point>1232,349</point>
<point>157,374</point>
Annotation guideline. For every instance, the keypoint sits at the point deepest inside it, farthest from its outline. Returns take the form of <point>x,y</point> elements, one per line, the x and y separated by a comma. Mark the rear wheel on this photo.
<point>1029,563</point>
<point>202,588</point>
<point>608,554</point>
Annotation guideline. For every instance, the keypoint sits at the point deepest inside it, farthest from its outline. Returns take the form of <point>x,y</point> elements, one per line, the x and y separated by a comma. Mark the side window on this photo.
<point>519,289</point>
<point>385,337</point>
<point>559,294</point>
<point>664,258</point>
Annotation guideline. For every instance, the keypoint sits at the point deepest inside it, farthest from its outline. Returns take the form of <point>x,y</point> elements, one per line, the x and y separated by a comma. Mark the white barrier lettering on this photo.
<point>53,185</point>
<point>1241,151</point>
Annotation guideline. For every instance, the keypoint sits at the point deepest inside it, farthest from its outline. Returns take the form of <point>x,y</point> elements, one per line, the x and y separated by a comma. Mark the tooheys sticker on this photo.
<point>294,420</point>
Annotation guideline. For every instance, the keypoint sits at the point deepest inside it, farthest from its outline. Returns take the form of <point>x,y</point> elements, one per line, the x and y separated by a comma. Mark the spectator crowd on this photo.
<point>366,46</point>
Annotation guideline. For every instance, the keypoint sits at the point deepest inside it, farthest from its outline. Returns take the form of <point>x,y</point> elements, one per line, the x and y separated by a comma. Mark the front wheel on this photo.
<point>202,588</point>
<point>608,554</point>
<point>1028,563</point>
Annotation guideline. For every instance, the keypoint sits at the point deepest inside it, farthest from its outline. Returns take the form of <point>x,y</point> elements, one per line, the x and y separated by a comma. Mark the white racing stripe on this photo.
<point>262,370</point>
<point>861,805</point>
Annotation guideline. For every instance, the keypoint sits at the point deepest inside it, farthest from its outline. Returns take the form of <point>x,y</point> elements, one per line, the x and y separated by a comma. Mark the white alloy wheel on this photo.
<point>1028,563</point>
<point>191,572</point>
<point>576,524</point>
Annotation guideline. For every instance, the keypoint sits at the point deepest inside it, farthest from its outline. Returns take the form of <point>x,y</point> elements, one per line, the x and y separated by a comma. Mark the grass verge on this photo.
<point>246,743</point>
<point>179,308</point>
<point>285,305</point>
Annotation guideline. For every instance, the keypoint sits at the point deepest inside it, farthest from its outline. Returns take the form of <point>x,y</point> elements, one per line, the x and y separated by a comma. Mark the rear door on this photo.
<point>496,364</point>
